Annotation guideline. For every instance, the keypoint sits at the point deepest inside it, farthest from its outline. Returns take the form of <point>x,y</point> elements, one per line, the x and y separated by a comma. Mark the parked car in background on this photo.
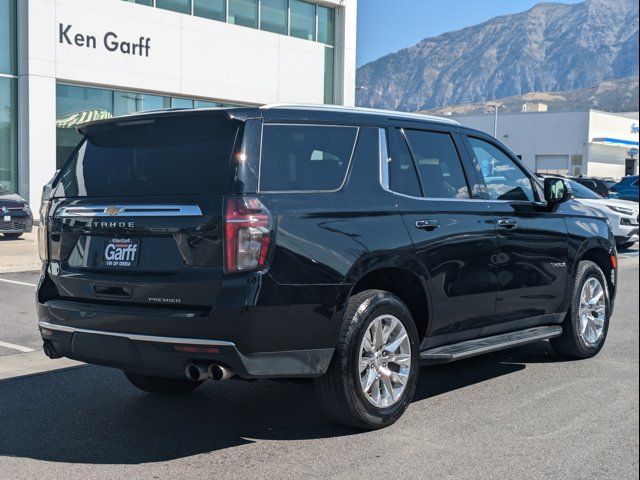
<point>594,184</point>
<point>626,189</point>
<point>609,182</point>
<point>622,214</point>
<point>15,214</point>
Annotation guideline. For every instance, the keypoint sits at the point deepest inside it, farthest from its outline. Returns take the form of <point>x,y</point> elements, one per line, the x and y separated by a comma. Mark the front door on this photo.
<point>531,257</point>
<point>453,234</point>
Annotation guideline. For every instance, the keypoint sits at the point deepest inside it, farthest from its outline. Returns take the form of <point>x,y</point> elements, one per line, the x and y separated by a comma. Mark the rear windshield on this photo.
<point>176,155</point>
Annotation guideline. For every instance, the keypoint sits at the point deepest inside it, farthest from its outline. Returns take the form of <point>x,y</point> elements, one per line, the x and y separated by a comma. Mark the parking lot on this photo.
<point>522,413</point>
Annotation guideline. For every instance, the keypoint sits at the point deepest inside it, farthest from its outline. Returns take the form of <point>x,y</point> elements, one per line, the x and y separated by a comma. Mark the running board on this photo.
<point>478,346</point>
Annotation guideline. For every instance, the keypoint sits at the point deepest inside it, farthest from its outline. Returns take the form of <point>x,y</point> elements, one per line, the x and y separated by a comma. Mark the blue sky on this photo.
<point>386,26</point>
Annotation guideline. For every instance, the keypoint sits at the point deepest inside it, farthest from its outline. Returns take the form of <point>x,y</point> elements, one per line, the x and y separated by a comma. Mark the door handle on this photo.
<point>427,224</point>
<point>508,223</point>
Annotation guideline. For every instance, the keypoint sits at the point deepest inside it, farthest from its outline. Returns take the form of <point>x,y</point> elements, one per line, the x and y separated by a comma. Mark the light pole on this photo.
<point>495,121</point>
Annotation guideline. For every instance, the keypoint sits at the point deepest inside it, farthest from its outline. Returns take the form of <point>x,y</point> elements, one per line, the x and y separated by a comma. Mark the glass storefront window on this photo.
<point>213,9</point>
<point>326,25</point>
<point>303,20</point>
<point>243,12</point>
<point>177,102</point>
<point>205,104</point>
<point>141,2</point>
<point>76,105</point>
<point>180,6</point>
<point>329,75</point>
<point>8,37</point>
<point>9,133</point>
<point>131,102</point>
<point>273,17</point>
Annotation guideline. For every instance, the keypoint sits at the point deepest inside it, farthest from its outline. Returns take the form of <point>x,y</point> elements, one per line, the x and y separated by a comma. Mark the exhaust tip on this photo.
<point>195,373</point>
<point>219,373</point>
<point>50,351</point>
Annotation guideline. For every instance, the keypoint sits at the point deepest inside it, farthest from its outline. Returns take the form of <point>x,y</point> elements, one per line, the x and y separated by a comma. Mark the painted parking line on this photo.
<point>15,282</point>
<point>13,346</point>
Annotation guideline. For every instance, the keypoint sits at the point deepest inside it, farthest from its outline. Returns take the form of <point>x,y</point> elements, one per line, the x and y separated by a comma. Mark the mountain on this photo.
<point>550,48</point>
<point>620,95</point>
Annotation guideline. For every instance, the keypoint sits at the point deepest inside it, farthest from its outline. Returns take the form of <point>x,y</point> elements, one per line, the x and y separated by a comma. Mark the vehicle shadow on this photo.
<point>92,415</point>
<point>4,238</point>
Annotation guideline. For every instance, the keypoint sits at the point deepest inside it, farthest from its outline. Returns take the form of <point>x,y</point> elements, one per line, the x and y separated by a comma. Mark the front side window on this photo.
<point>305,157</point>
<point>504,179</point>
<point>243,12</point>
<point>580,191</point>
<point>438,164</point>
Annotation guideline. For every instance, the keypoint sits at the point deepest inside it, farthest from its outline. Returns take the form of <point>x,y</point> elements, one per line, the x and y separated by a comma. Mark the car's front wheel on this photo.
<point>162,385</point>
<point>587,323</point>
<point>374,371</point>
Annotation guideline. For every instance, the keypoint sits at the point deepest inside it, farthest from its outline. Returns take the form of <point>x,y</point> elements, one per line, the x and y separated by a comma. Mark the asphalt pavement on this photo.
<point>522,413</point>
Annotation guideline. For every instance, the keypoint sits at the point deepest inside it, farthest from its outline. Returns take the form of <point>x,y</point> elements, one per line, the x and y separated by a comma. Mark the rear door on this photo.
<point>532,252</point>
<point>453,233</point>
<point>137,210</point>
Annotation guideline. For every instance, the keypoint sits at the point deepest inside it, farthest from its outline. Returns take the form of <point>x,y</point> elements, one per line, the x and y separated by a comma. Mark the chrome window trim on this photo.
<point>137,337</point>
<point>99,211</point>
<point>346,173</point>
<point>383,153</point>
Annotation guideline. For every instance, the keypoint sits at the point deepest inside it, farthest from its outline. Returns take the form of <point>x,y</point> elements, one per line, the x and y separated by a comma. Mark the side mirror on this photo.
<point>556,190</point>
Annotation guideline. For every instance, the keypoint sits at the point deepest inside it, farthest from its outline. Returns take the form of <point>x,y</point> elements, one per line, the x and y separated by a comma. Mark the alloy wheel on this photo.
<point>384,361</point>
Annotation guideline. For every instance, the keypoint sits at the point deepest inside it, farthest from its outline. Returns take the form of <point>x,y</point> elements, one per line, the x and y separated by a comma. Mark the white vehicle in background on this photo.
<point>622,214</point>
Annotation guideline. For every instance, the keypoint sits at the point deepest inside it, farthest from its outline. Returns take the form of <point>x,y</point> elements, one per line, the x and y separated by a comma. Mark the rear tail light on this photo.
<point>248,234</point>
<point>43,248</point>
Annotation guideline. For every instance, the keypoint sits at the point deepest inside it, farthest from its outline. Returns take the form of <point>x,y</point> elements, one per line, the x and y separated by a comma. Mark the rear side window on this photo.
<point>438,164</point>
<point>305,157</point>
<point>165,156</point>
<point>402,172</point>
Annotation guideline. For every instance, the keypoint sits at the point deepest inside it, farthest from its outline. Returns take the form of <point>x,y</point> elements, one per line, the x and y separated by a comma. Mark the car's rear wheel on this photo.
<point>374,371</point>
<point>587,323</point>
<point>162,385</point>
<point>13,235</point>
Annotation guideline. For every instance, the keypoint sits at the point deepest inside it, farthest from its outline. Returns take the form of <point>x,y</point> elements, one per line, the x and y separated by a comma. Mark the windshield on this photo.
<point>580,191</point>
<point>175,155</point>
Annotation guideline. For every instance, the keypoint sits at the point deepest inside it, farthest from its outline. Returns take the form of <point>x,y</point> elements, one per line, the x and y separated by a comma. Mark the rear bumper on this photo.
<point>144,340</point>
<point>165,356</point>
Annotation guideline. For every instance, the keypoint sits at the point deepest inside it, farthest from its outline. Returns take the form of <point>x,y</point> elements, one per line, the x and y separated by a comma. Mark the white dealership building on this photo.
<point>63,62</point>
<point>588,142</point>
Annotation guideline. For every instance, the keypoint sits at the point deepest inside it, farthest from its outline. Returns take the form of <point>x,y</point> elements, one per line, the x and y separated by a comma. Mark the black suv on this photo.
<point>345,245</point>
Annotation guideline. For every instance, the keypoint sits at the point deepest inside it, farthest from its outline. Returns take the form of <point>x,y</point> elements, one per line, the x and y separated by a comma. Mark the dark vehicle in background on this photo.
<point>594,184</point>
<point>348,246</point>
<point>15,214</point>
<point>626,189</point>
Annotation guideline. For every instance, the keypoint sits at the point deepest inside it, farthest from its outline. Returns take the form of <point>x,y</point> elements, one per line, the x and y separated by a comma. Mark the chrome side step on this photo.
<point>478,346</point>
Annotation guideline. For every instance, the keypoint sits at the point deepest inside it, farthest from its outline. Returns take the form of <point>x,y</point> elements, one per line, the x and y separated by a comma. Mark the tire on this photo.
<point>13,235</point>
<point>624,246</point>
<point>340,391</point>
<point>573,343</point>
<point>162,385</point>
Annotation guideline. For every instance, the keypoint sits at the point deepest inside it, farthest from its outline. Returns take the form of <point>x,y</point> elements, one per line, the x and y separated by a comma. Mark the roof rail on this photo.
<point>369,111</point>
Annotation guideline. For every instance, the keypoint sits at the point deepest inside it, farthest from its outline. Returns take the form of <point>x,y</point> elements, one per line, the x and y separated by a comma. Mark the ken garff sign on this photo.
<point>109,41</point>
